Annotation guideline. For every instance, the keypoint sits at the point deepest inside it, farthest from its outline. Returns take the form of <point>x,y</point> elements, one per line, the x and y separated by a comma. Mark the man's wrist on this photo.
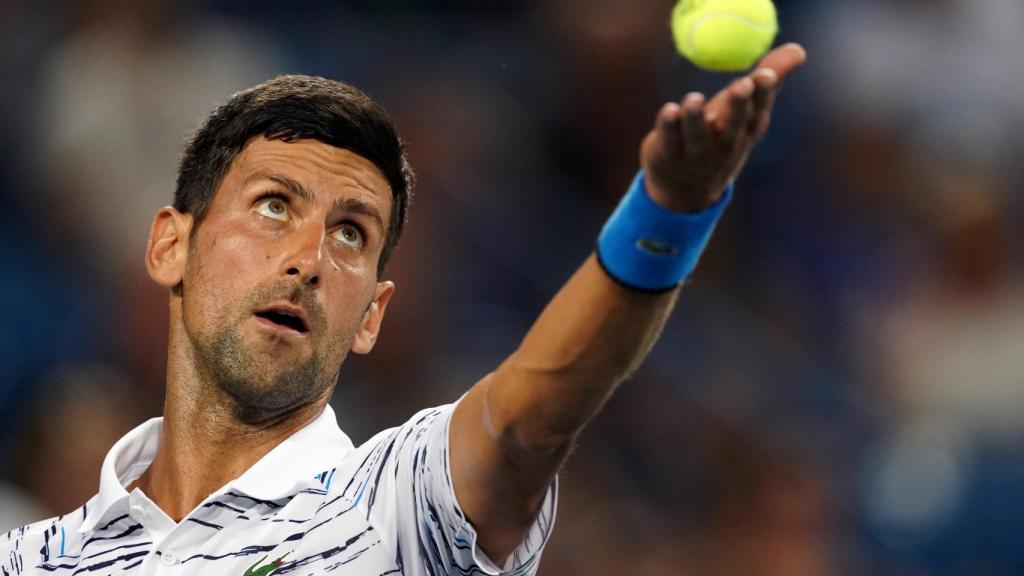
<point>648,247</point>
<point>680,203</point>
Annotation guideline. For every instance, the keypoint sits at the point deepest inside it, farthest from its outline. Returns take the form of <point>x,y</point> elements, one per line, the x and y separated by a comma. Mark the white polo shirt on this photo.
<point>313,505</point>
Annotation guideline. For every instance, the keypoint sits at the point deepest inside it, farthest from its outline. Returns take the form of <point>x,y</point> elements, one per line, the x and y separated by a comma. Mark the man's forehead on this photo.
<point>311,162</point>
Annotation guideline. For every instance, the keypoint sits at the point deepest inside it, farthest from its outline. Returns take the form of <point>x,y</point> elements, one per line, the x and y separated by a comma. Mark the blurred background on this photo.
<point>841,390</point>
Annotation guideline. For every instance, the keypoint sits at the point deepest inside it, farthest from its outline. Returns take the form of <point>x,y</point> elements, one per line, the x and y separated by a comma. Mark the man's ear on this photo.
<point>366,337</point>
<point>168,246</point>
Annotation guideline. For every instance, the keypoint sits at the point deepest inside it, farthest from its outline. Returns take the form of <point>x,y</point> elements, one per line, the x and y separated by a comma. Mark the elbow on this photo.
<point>528,446</point>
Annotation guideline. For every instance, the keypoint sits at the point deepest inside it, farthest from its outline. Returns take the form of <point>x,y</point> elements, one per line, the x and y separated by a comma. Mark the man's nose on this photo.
<point>305,257</point>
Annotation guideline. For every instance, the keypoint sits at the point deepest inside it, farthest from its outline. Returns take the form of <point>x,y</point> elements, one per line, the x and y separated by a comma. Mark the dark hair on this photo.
<point>290,108</point>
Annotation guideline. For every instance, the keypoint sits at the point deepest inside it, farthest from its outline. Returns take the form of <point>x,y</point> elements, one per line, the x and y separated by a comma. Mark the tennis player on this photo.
<point>290,199</point>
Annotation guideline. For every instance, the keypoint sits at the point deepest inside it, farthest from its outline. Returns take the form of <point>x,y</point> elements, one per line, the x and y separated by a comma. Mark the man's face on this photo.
<point>280,279</point>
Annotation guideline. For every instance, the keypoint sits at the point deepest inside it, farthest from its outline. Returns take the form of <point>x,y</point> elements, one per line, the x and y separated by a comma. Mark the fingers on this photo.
<point>704,142</point>
<point>783,60</point>
<point>768,77</point>
<point>669,125</point>
<point>695,130</point>
<point>741,111</point>
<point>766,83</point>
<point>682,126</point>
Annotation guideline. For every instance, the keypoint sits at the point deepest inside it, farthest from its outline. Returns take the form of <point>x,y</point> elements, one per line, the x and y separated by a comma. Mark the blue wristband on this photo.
<point>651,248</point>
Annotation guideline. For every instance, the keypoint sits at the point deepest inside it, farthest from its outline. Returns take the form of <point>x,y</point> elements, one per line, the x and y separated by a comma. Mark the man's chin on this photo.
<point>268,374</point>
<point>263,397</point>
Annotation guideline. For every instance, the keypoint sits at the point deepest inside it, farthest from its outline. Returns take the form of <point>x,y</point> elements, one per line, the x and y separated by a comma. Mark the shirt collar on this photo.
<point>292,464</point>
<point>284,471</point>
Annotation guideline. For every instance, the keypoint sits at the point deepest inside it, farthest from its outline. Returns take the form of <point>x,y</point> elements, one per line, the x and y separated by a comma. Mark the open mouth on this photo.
<point>285,319</point>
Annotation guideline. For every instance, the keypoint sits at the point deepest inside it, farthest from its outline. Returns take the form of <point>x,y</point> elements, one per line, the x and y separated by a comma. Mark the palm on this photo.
<point>697,147</point>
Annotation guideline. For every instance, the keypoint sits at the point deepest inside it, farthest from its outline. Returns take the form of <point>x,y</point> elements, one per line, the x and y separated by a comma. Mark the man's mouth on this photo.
<point>285,318</point>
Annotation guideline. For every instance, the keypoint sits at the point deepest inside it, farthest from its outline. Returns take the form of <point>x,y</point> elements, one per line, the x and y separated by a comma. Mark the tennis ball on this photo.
<point>724,35</point>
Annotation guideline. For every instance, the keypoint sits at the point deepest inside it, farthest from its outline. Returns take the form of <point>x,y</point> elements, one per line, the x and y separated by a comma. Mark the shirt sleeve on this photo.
<point>408,495</point>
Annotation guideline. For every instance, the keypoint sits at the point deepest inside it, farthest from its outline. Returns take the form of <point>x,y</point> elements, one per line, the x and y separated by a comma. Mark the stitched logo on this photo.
<point>267,569</point>
<point>653,246</point>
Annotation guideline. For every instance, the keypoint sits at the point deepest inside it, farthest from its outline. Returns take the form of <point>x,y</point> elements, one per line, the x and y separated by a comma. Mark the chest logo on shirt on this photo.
<point>267,569</point>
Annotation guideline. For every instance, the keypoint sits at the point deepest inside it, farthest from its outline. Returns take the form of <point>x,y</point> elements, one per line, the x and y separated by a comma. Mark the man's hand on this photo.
<point>697,147</point>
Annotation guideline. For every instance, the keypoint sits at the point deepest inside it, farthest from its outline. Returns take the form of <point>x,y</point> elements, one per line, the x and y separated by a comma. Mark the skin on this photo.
<point>513,430</point>
<point>297,248</point>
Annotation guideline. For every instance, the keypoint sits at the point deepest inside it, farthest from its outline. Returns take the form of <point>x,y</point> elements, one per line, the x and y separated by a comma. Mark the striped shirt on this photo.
<point>314,504</point>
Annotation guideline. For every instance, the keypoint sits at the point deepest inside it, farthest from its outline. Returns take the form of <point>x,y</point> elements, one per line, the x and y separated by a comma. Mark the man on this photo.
<point>289,202</point>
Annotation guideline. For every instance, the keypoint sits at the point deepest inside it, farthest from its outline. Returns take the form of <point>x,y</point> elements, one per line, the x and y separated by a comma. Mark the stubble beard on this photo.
<point>261,387</point>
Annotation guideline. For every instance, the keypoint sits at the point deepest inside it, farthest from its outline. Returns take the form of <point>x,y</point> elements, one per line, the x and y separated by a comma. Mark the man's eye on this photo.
<point>273,208</point>
<point>350,234</point>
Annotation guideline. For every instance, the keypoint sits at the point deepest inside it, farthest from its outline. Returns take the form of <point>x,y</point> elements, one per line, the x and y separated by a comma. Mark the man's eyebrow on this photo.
<point>292,185</point>
<point>357,206</point>
<point>349,205</point>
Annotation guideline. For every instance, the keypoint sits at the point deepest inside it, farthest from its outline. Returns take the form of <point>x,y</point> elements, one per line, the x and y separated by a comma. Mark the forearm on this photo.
<point>518,424</point>
<point>590,337</point>
<point>522,419</point>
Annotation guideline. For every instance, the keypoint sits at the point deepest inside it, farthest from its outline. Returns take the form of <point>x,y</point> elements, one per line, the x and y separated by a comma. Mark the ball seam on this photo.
<point>691,30</point>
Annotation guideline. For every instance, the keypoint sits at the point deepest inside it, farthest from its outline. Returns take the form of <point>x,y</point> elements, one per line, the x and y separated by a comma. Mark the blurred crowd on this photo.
<point>841,390</point>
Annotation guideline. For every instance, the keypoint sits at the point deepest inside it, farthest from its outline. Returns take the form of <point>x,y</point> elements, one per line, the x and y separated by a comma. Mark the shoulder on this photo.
<point>388,455</point>
<point>40,542</point>
<point>427,424</point>
<point>425,417</point>
<point>38,529</point>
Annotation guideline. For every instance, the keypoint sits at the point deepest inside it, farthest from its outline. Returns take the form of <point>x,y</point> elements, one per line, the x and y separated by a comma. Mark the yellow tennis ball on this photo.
<point>724,35</point>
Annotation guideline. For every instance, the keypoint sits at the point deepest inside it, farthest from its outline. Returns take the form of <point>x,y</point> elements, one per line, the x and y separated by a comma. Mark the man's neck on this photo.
<point>203,446</point>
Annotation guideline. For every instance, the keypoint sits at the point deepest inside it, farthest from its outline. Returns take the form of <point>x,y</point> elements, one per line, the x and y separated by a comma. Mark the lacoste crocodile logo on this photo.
<point>653,246</point>
<point>266,570</point>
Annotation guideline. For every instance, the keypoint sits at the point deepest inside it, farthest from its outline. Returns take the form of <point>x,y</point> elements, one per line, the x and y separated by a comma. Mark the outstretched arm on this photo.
<point>513,430</point>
